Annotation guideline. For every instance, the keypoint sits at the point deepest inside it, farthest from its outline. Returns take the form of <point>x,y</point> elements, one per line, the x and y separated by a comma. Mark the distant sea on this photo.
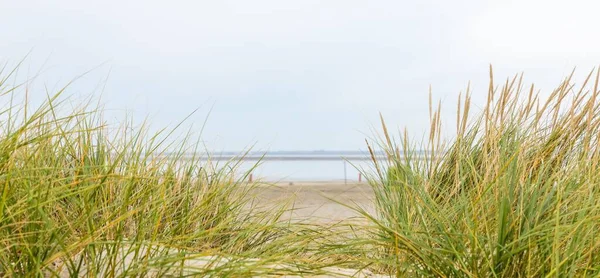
<point>303,165</point>
<point>304,170</point>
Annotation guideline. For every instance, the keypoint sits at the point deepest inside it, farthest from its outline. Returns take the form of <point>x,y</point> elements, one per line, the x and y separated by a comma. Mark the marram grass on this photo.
<point>79,197</point>
<point>515,194</point>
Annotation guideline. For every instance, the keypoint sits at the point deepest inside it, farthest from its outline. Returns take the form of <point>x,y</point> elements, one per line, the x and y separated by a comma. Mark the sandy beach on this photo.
<point>318,201</point>
<point>310,202</point>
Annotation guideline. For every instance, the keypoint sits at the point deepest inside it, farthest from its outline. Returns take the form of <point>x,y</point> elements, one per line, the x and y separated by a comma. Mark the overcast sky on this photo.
<point>291,75</point>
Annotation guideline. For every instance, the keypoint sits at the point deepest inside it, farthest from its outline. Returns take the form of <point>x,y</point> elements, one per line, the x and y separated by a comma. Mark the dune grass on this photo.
<point>79,197</point>
<point>515,194</point>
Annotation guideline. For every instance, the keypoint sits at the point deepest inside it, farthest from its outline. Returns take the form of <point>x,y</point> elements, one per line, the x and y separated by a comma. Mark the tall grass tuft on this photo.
<point>515,194</point>
<point>79,197</point>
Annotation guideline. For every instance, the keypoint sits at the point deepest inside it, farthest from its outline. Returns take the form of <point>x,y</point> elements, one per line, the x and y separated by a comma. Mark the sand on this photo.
<point>313,202</point>
<point>324,202</point>
<point>195,264</point>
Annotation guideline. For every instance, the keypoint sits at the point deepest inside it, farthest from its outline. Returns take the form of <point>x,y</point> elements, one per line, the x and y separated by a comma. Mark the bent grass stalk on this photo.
<point>514,194</point>
<point>81,198</point>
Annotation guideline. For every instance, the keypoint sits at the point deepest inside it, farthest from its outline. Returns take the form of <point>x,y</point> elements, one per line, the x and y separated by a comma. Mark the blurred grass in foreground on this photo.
<point>81,198</point>
<point>515,194</point>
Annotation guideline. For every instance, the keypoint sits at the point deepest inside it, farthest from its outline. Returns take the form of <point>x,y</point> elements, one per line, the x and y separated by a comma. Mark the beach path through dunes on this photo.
<point>321,202</point>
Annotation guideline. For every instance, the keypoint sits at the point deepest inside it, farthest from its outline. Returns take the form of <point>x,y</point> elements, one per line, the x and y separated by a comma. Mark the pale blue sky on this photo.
<point>290,75</point>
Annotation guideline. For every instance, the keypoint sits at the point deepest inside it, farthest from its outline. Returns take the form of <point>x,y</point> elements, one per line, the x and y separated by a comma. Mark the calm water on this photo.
<point>305,170</point>
<point>307,165</point>
<point>301,165</point>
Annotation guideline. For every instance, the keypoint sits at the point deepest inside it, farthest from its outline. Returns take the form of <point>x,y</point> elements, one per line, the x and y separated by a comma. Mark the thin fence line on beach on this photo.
<point>294,156</point>
<point>289,156</point>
